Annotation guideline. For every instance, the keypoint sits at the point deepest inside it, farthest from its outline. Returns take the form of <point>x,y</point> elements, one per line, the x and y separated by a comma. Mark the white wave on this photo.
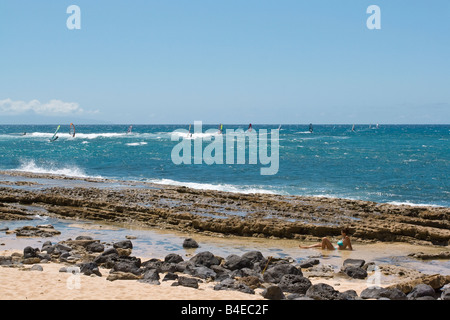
<point>30,166</point>
<point>410,160</point>
<point>407,203</point>
<point>332,196</point>
<point>89,136</point>
<point>199,135</point>
<point>98,135</point>
<point>136,144</point>
<point>36,216</point>
<point>214,187</point>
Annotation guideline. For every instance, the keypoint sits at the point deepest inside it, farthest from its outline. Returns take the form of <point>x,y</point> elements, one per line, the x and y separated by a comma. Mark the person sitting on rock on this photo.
<point>326,244</point>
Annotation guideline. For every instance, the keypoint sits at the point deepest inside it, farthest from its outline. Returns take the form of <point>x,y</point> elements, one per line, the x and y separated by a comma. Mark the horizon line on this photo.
<point>215,124</point>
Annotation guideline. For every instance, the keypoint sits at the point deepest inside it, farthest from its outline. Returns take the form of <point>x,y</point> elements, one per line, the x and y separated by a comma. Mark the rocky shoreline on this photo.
<point>224,213</point>
<point>250,273</point>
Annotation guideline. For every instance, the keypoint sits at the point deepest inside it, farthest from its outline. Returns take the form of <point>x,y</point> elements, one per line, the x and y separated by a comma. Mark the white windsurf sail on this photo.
<point>54,135</point>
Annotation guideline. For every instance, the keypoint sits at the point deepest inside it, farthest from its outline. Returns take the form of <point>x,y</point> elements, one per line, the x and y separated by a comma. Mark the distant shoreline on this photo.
<point>225,124</point>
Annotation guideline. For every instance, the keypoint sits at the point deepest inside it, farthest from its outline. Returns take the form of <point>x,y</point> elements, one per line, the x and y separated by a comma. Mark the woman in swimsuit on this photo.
<point>326,244</point>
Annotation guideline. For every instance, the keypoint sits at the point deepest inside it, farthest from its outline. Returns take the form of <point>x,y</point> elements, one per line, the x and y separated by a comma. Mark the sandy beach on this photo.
<point>50,284</point>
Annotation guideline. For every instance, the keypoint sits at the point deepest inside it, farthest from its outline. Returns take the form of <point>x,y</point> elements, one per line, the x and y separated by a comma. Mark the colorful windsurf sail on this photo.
<point>72,130</point>
<point>129,129</point>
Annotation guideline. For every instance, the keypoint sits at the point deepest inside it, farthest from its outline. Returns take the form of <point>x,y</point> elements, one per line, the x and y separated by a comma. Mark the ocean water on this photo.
<point>402,164</point>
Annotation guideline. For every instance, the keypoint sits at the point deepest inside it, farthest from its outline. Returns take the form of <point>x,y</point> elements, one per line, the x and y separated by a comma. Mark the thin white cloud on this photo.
<point>53,107</point>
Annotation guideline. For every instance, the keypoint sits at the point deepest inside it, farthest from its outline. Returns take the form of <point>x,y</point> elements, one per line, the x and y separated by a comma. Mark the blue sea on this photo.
<point>400,164</point>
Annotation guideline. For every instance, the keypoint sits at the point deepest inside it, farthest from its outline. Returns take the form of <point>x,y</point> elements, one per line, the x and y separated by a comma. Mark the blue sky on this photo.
<point>259,61</point>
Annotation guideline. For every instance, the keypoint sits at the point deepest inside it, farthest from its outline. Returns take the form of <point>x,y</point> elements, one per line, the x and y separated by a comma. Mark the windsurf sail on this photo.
<point>220,128</point>
<point>311,128</point>
<point>54,135</point>
<point>353,128</point>
<point>190,134</point>
<point>250,128</point>
<point>72,130</point>
<point>129,129</point>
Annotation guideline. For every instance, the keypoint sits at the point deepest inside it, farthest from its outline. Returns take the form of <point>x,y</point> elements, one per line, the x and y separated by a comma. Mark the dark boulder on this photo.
<point>84,238</point>
<point>354,262</point>
<point>168,267</point>
<point>230,284</point>
<point>63,256</point>
<point>355,272</point>
<point>275,273</point>
<point>173,258</point>
<point>125,244</point>
<point>225,284</point>
<point>170,276</point>
<point>322,291</point>
<point>37,267</point>
<point>89,268</point>
<point>219,270</point>
<point>186,282</point>
<point>205,258</point>
<point>63,248</point>
<point>255,257</point>
<point>234,262</point>
<point>294,283</point>
<point>349,295</point>
<point>245,272</point>
<point>153,264</point>
<point>421,290</point>
<point>273,293</point>
<point>46,244</point>
<point>95,247</point>
<point>382,293</point>
<point>107,258</point>
<point>126,266</point>
<point>190,243</point>
<point>151,277</point>
<point>29,252</point>
<point>201,272</point>
<point>309,263</point>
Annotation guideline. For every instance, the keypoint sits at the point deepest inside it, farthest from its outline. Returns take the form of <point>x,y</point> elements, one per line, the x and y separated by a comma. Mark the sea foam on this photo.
<point>72,171</point>
<point>214,187</point>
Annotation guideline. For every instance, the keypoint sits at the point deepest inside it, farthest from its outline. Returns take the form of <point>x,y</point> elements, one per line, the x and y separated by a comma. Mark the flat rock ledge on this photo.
<point>226,213</point>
